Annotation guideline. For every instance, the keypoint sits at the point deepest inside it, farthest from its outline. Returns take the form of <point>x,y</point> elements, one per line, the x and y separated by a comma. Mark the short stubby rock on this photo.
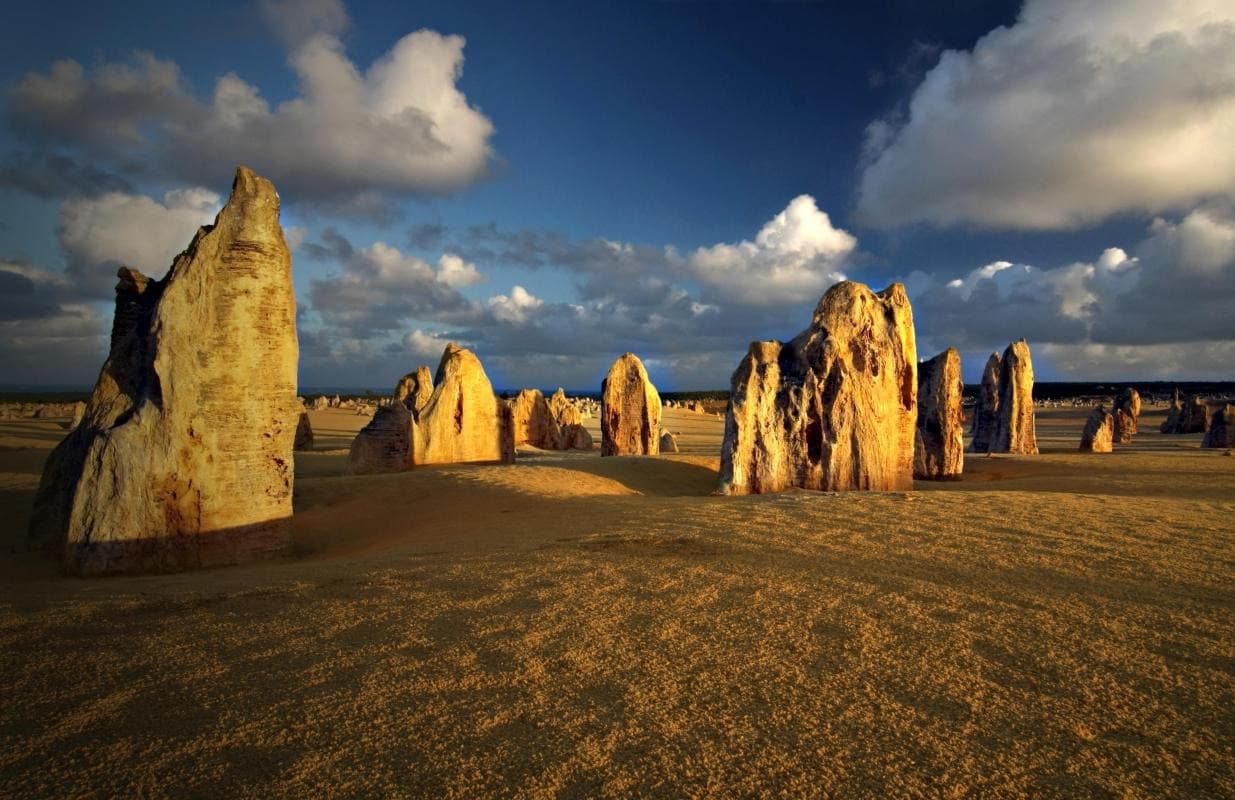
<point>834,409</point>
<point>183,457</point>
<point>535,423</point>
<point>1098,433</point>
<point>1221,433</point>
<point>939,446</point>
<point>304,432</point>
<point>629,410</point>
<point>576,437</point>
<point>668,442</point>
<point>384,445</point>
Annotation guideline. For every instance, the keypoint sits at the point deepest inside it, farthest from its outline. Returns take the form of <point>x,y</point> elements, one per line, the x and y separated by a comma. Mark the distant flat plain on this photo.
<point>1060,625</point>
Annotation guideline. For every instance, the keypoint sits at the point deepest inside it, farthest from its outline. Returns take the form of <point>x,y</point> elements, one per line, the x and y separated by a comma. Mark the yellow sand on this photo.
<point>570,626</point>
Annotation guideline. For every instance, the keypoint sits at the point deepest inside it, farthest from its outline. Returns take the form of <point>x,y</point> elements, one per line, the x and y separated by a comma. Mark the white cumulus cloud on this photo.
<point>515,307</point>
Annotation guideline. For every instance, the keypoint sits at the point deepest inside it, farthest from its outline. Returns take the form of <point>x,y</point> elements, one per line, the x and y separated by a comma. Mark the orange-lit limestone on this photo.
<point>629,410</point>
<point>535,422</point>
<point>1014,421</point>
<point>461,422</point>
<point>564,411</point>
<point>414,389</point>
<point>986,409</point>
<point>184,456</point>
<point>1098,434</point>
<point>1126,413</point>
<point>939,447</point>
<point>835,409</point>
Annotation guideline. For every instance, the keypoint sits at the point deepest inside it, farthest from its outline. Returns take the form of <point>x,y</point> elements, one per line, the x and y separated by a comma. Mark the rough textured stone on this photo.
<point>576,437</point>
<point>79,413</point>
<point>986,410</point>
<point>1124,426</point>
<point>1098,434</point>
<point>304,432</point>
<point>534,421</point>
<point>1221,433</point>
<point>184,456</point>
<point>414,389</point>
<point>321,403</point>
<point>1191,415</point>
<point>939,445</point>
<point>506,430</point>
<point>629,410</point>
<point>668,442</point>
<point>835,409</point>
<point>1014,423</point>
<point>384,445</point>
<point>564,411</point>
<point>460,422</point>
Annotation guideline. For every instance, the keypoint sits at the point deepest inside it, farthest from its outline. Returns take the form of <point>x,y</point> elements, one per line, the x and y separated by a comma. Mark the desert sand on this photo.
<point>1060,625</point>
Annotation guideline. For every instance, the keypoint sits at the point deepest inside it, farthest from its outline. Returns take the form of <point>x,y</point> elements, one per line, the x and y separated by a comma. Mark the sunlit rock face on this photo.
<point>835,408</point>
<point>183,457</point>
<point>535,422</point>
<point>460,422</point>
<point>1015,430</point>
<point>939,447</point>
<point>629,410</point>
<point>1221,431</point>
<point>414,389</point>
<point>987,408</point>
<point>1098,433</point>
<point>1126,414</point>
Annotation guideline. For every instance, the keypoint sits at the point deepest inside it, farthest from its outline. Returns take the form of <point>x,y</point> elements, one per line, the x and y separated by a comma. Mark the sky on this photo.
<point>554,184</point>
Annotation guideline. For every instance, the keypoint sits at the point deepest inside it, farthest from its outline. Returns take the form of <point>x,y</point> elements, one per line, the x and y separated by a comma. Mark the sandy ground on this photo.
<point>571,626</point>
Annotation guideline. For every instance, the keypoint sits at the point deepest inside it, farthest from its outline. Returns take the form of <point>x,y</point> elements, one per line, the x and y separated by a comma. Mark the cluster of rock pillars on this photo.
<point>183,456</point>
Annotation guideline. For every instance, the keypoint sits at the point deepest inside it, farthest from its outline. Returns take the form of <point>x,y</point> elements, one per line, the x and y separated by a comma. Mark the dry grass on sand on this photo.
<point>1052,626</point>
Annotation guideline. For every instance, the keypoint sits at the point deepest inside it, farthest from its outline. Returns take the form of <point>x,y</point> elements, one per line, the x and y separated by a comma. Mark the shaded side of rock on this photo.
<point>183,457</point>
<point>835,409</point>
<point>576,437</point>
<point>414,389</point>
<point>384,445</point>
<point>1221,433</point>
<point>304,432</point>
<point>939,446</point>
<point>629,410</point>
<point>986,409</point>
<point>668,442</point>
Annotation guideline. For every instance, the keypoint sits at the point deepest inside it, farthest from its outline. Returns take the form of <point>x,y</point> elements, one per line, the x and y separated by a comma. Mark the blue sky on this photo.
<point>556,183</point>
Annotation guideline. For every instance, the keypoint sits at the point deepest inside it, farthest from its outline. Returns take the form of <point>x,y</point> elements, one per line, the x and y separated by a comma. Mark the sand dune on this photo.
<point>1059,625</point>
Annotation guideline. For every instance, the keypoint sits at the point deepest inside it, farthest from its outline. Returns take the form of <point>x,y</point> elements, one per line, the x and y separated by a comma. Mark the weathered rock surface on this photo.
<point>1221,433</point>
<point>304,432</point>
<point>939,446</point>
<point>321,403</point>
<point>576,437</point>
<point>1190,415</point>
<point>184,455</point>
<point>1098,433</point>
<point>535,423</point>
<point>986,410</point>
<point>1124,425</point>
<point>835,409</point>
<point>668,442</point>
<point>79,413</point>
<point>384,445</point>
<point>1015,430</point>
<point>629,410</point>
<point>1126,412</point>
<point>564,411</point>
<point>506,430</point>
<point>460,422</point>
<point>414,389</point>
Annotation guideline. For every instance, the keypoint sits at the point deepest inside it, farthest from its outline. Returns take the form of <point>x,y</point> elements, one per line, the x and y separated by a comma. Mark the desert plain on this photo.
<point>1057,625</point>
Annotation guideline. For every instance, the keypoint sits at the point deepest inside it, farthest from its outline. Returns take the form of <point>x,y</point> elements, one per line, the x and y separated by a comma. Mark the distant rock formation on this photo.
<point>1126,413</point>
<point>535,423</point>
<point>939,446</point>
<point>629,410</point>
<point>321,403</point>
<point>414,389</point>
<point>1221,433</point>
<point>835,408</point>
<point>986,410</point>
<point>1191,415</point>
<point>304,432</point>
<point>668,442</point>
<point>1098,434</point>
<point>184,455</point>
<point>1014,422</point>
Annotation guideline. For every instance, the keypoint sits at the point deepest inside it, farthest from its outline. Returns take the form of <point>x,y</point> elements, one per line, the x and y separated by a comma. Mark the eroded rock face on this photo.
<point>835,409</point>
<point>304,432</point>
<point>668,442</point>
<point>1221,433</point>
<point>576,437</point>
<point>414,389</point>
<point>384,445</point>
<point>1190,415</point>
<point>939,446</point>
<point>183,457</point>
<point>535,423</point>
<point>1098,433</point>
<point>460,423</point>
<point>1126,412</point>
<point>986,410</point>
<point>1015,430</point>
<point>629,410</point>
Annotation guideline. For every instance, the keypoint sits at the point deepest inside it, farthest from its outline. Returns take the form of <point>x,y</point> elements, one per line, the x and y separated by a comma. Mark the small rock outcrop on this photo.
<point>986,410</point>
<point>384,445</point>
<point>321,403</point>
<point>304,432</point>
<point>1015,430</point>
<point>414,389</point>
<point>834,409</point>
<point>576,437</point>
<point>1221,433</point>
<point>1126,412</point>
<point>535,423</point>
<point>939,446</point>
<point>183,457</point>
<point>629,410</point>
<point>668,442</point>
<point>1098,434</point>
<point>1189,415</point>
